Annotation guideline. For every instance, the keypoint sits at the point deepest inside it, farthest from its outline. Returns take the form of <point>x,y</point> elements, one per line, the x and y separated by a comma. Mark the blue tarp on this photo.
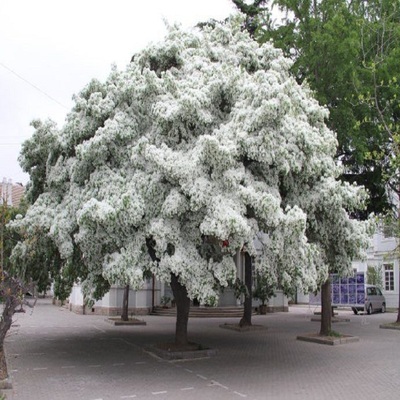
<point>346,292</point>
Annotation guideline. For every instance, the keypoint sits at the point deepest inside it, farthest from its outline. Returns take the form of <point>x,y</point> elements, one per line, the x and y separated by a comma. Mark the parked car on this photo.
<point>374,300</point>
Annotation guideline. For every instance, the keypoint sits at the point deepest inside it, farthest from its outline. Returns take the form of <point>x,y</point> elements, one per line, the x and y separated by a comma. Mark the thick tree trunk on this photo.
<point>182,310</point>
<point>326,308</point>
<point>248,281</point>
<point>125,304</point>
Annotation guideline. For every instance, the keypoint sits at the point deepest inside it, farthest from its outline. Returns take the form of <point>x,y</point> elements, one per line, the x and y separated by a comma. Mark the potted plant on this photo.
<point>239,289</point>
<point>165,300</point>
<point>263,292</point>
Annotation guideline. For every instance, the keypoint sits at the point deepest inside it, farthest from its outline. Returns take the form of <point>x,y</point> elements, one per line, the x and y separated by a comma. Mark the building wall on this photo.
<point>140,301</point>
<point>381,253</point>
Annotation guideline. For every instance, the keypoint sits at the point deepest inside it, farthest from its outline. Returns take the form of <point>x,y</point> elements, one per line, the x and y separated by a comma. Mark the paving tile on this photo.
<point>54,354</point>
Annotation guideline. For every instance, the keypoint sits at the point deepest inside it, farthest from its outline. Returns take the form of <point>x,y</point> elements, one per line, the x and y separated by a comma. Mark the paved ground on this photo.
<point>54,354</point>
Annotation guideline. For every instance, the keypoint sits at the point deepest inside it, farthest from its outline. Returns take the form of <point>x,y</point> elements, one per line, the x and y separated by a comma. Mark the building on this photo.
<point>11,193</point>
<point>151,294</point>
<point>381,255</point>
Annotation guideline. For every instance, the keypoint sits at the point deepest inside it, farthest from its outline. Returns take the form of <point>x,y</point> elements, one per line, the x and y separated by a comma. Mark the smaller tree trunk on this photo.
<point>125,303</point>
<point>398,309</point>
<point>10,304</point>
<point>182,310</point>
<point>326,309</point>
<point>153,289</point>
<point>398,241</point>
<point>248,281</point>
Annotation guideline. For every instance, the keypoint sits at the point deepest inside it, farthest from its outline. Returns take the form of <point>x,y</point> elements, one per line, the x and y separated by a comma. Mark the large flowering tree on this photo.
<point>203,140</point>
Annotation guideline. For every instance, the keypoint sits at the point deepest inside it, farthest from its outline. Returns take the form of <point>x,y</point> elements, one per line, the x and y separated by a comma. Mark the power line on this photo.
<point>34,86</point>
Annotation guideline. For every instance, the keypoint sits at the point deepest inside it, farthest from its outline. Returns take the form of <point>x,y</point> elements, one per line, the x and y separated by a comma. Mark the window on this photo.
<point>371,291</point>
<point>389,230</point>
<point>389,277</point>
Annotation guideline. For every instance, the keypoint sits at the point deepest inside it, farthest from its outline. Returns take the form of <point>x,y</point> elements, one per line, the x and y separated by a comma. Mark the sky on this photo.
<point>49,50</point>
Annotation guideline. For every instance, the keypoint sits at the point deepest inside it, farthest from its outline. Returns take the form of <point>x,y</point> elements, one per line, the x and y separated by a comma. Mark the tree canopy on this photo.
<point>204,143</point>
<point>348,52</point>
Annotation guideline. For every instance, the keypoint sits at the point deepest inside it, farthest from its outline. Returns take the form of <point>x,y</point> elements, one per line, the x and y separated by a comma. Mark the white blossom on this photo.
<point>204,135</point>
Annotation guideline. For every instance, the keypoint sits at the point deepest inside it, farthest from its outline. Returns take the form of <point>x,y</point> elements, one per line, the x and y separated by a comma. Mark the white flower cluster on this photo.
<point>204,135</point>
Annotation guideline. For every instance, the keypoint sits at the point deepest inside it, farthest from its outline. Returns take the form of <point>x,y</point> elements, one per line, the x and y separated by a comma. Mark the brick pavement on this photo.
<point>54,354</point>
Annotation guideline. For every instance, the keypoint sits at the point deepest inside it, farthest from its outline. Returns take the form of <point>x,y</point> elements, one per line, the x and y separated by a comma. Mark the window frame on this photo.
<point>389,281</point>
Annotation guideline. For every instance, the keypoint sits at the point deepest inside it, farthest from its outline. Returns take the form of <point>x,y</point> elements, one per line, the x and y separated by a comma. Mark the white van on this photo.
<point>374,301</point>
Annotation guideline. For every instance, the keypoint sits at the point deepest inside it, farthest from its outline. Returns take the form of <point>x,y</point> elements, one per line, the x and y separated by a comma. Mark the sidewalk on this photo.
<point>54,354</point>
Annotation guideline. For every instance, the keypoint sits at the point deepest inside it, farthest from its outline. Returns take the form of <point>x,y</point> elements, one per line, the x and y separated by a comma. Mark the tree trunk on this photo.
<point>153,288</point>
<point>326,309</point>
<point>125,303</point>
<point>10,304</point>
<point>398,309</point>
<point>3,364</point>
<point>398,241</point>
<point>248,281</point>
<point>182,310</point>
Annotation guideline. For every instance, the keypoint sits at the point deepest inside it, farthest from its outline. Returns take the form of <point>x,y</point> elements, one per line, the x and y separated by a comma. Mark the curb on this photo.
<point>180,355</point>
<point>331,341</point>
<point>237,328</point>
<point>334,319</point>
<point>120,322</point>
<point>393,326</point>
<point>5,384</point>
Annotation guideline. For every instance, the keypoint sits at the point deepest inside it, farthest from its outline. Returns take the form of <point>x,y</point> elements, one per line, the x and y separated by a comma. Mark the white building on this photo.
<point>381,254</point>
<point>142,301</point>
<point>10,193</point>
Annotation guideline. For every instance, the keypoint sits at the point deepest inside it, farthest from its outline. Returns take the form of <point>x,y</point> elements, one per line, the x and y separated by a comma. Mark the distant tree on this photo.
<point>374,275</point>
<point>254,14</point>
<point>9,238</point>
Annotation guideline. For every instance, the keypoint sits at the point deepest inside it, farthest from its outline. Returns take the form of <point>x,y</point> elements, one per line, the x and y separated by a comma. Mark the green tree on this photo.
<point>347,52</point>
<point>378,89</point>
<point>324,38</point>
<point>12,287</point>
<point>36,256</point>
<point>374,275</point>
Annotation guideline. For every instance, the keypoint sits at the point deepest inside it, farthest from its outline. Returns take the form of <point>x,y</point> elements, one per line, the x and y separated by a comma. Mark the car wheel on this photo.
<point>355,311</point>
<point>383,309</point>
<point>369,310</point>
